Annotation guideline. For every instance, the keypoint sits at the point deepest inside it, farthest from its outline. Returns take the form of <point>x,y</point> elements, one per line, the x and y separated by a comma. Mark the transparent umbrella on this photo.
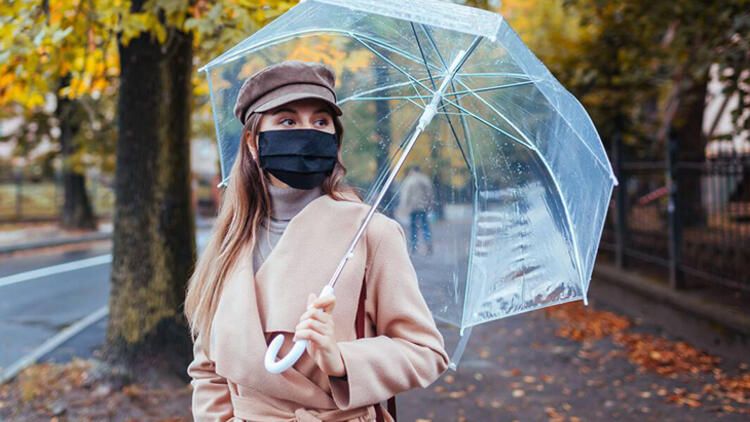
<point>521,181</point>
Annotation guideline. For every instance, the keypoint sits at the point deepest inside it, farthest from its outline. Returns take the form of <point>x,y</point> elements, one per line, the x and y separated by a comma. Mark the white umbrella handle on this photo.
<point>276,367</point>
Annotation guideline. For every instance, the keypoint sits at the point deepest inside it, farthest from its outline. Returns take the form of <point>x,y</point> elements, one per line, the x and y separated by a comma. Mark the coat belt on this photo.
<point>247,409</point>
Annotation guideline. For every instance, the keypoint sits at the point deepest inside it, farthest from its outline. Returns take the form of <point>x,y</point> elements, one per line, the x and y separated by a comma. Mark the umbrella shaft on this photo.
<point>431,109</point>
<point>371,211</point>
<point>427,116</point>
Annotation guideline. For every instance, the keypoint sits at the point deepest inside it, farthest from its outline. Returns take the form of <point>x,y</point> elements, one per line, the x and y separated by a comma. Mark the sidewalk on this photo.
<point>42,235</point>
<point>568,363</point>
<point>22,237</point>
<point>709,317</point>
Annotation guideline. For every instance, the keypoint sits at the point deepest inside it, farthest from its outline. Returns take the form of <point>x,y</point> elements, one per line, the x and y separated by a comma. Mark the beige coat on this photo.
<point>402,348</point>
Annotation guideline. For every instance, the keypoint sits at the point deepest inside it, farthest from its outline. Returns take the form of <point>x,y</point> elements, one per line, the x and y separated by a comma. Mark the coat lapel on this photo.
<point>271,300</point>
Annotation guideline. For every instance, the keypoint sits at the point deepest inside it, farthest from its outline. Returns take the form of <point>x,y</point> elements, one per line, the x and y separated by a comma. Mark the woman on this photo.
<point>287,213</point>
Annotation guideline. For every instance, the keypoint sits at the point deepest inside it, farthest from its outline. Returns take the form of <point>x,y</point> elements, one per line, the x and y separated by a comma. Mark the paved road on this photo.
<point>34,310</point>
<point>40,295</point>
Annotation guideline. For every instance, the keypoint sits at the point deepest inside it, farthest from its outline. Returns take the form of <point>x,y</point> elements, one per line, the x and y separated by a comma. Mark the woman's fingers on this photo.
<point>326,303</point>
<point>320,327</point>
<point>308,313</point>
<point>310,335</point>
<point>316,319</point>
<point>317,314</point>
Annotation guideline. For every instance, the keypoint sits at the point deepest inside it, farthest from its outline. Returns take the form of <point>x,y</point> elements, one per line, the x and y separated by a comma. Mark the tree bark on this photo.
<point>154,229</point>
<point>383,133</point>
<point>687,127</point>
<point>77,212</point>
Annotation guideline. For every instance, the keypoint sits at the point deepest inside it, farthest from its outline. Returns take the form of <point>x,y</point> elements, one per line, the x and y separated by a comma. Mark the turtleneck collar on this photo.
<point>287,202</point>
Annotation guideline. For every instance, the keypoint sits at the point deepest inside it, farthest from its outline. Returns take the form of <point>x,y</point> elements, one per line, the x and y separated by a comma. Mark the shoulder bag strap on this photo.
<point>360,328</point>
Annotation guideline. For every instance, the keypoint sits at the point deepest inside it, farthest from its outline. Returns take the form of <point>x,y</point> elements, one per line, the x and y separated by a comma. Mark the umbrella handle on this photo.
<point>276,367</point>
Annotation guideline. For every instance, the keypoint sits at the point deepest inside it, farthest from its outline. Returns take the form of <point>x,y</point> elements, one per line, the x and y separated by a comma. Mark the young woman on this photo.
<point>285,221</point>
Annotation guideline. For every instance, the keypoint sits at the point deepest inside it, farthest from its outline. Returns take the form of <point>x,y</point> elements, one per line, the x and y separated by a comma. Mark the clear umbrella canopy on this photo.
<point>520,177</point>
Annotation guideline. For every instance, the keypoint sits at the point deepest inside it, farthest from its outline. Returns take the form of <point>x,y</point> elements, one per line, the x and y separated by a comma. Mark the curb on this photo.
<point>54,242</point>
<point>680,300</point>
<point>52,343</point>
<point>8,249</point>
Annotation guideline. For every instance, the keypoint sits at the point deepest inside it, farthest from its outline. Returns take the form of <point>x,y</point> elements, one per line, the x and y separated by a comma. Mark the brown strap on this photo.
<point>392,407</point>
<point>359,322</point>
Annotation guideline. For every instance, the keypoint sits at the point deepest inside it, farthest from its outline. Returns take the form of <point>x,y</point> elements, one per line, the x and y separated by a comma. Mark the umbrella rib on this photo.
<point>362,95</point>
<point>434,86</point>
<point>391,155</point>
<point>472,170</point>
<point>395,50</point>
<point>212,97</point>
<point>464,125</point>
<point>389,160</point>
<point>229,55</point>
<point>394,65</point>
<point>490,88</point>
<point>442,60</point>
<point>425,119</point>
<point>608,167</point>
<point>452,113</point>
<point>557,188</point>
<point>421,106</point>
<point>397,97</point>
<point>382,88</point>
<point>519,311</point>
<point>424,59</point>
<point>497,128</point>
<point>495,74</point>
<point>554,181</point>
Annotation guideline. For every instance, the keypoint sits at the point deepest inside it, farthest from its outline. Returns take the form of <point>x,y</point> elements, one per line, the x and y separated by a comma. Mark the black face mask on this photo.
<point>301,158</point>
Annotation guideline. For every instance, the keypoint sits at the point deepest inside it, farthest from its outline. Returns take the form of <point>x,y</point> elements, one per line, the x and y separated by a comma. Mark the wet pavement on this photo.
<point>573,363</point>
<point>568,363</point>
<point>612,360</point>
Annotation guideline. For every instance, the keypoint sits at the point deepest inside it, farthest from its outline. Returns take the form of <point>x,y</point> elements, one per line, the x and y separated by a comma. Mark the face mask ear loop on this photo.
<point>254,154</point>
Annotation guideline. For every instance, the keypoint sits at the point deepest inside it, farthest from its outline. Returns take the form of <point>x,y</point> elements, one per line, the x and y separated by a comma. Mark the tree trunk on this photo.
<point>383,132</point>
<point>154,228</point>
<point>77,212</point>
<point>687,128</point>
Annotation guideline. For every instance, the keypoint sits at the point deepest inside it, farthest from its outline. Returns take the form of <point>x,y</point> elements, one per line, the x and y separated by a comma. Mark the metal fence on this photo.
<point>688,220</point>
<point>26,198</point>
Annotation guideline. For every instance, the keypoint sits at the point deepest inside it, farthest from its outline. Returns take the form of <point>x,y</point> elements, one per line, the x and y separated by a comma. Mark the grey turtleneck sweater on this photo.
<point>285,204</point>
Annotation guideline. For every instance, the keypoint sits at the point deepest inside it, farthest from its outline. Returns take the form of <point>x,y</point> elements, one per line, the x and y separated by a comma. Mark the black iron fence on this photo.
<point>32,198</point>
<point>26,198</point>
<point>689,220</point>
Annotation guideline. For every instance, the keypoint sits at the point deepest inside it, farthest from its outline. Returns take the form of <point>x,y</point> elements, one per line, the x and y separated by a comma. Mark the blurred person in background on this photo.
<point>416,198</point>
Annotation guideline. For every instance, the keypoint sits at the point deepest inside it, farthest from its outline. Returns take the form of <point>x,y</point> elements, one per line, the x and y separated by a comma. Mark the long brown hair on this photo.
<point>245,203</point>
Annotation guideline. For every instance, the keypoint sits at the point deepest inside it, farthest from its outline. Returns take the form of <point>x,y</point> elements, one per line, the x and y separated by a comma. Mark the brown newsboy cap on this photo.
<point>284,82</point>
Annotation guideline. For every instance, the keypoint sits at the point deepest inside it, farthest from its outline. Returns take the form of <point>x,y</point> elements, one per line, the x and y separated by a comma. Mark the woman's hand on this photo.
<point>316,325</point>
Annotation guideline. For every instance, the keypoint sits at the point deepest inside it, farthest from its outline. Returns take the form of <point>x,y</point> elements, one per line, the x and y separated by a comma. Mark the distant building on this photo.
<point>717,120</point>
